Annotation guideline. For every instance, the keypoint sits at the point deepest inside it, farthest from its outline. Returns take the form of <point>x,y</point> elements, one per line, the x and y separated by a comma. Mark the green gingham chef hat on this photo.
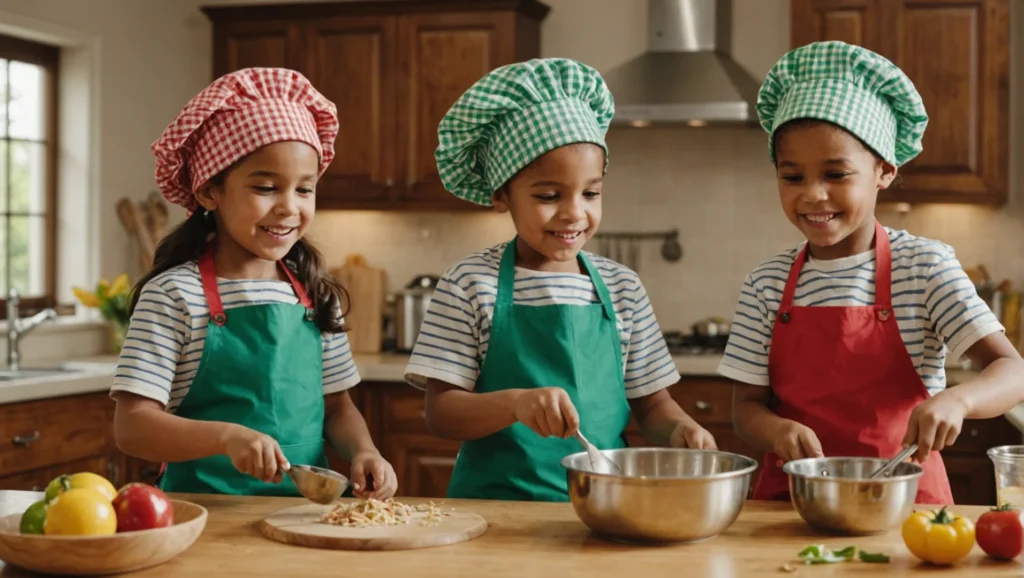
<point>850,86</point>
<point>515,114</point>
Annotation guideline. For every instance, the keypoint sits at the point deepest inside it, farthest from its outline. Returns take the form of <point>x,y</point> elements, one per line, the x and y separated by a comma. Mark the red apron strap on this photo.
<point>883,269</point>
<point>208,274</point>
<point>790,290</point>
<point>300,290</point>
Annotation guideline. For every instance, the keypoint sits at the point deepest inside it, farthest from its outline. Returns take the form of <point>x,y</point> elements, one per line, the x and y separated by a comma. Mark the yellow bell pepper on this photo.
<point>940,538</point>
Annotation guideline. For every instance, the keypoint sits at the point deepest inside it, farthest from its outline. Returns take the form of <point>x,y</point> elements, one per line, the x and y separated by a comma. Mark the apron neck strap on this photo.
<point>883,268</point>
<point>883,272</point>
<point>208,275</point>
<point>507,274</point>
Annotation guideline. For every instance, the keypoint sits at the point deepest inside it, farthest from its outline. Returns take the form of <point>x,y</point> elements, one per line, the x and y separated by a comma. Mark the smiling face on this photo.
<point>555,204</point>
<point>828,186</point>
<point>265,203</point>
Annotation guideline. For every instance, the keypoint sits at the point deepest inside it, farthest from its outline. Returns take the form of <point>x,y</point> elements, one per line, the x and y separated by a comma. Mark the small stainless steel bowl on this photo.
<point>663,495</point>
<point>834,495</point>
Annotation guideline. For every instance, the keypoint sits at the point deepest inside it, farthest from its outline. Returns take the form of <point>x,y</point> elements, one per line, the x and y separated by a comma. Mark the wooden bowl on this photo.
<point>111,554</point>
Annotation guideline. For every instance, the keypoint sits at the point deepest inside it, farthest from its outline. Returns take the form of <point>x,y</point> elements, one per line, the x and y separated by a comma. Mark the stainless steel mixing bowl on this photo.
<point>662,495</point>
<point>834,495</point>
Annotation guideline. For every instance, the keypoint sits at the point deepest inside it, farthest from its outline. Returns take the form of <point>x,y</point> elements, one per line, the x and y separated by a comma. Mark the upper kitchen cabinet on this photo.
<point>957,54</point>
<point>393,68</point>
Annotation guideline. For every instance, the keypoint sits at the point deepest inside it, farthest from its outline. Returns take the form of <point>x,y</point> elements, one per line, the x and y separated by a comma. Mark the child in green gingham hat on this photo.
<point>838,346</point>
<point>528,342</point>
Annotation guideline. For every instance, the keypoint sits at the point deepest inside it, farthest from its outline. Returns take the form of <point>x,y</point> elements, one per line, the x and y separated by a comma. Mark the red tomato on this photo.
<point>1000,532</point>
<point>142,507</point>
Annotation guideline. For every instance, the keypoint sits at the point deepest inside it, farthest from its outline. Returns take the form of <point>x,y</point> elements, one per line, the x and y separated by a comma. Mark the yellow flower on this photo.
<point>85,297</point>
<point>119,286</point>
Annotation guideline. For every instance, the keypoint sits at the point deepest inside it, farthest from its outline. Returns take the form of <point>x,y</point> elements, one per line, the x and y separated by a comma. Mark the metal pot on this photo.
<point>712,327</point>
<point>410,309</point>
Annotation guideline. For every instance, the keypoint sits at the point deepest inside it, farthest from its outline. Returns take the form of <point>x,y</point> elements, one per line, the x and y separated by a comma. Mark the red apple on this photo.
<point>142,507</point>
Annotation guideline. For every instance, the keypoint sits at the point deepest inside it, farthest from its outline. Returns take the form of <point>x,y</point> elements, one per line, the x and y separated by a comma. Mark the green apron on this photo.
<point>575,347</point>
<point>261,368</point>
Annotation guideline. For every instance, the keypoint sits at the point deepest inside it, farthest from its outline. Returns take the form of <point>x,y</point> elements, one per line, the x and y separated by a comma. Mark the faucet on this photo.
<point>18,327</point>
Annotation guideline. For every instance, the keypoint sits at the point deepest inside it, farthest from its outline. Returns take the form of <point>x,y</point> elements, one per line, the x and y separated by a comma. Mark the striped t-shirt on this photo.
<point>453,338</point>
<point>936,305</point>
<point>168,329</point>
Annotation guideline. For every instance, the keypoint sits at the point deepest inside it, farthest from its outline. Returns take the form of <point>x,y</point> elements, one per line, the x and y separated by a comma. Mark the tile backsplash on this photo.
<point>716,186</point>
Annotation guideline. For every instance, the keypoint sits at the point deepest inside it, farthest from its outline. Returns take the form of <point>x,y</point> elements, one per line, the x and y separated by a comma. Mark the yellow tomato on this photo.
<point>80,512</point>
<point>81,480</point>
<point>938,537</point>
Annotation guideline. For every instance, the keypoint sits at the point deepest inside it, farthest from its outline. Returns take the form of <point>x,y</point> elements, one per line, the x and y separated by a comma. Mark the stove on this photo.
<point>680,343</point>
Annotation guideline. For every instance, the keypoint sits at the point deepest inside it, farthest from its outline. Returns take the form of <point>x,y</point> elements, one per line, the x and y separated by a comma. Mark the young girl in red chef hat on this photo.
<point>839,344</point>
<point>236,363</point>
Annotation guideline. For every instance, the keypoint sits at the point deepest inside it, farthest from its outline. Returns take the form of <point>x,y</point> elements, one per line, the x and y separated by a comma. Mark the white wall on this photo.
<point>715,185</point>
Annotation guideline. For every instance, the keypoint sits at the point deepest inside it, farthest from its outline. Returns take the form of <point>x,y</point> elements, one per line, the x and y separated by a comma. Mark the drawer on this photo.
<point>978,435</point>
<point>404,411</point>
<point>41,433</point>
<point>707,402</point>
<point>37,480</point>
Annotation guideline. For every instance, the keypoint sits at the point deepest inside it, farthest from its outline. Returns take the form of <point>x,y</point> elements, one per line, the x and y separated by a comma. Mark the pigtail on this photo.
<point>330,300</point>
<point>184,244</point>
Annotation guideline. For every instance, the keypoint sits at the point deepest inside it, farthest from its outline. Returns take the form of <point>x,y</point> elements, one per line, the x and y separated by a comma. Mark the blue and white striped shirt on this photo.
<point>936,305</point>
<point>168,329</point>
<point>453,338</point>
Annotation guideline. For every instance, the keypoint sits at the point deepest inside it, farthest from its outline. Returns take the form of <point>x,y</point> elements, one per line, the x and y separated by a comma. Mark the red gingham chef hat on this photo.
<point>236,115</point>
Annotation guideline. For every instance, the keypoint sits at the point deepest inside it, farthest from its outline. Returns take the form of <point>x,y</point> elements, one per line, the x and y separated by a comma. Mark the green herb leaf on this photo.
<point>819,554</point>
<point>872,558</point>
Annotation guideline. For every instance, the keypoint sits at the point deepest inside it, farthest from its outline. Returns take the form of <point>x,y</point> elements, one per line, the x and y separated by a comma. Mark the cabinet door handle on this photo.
<point>24,441</point>
<point>389,183</point>
<point>703,406</point>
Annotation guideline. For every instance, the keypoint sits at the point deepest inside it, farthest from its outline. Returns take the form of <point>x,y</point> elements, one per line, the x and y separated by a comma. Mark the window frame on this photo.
<point>47,57</point>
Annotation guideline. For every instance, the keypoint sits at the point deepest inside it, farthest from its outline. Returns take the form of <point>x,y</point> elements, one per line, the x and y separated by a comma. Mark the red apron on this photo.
<point>845,373</point>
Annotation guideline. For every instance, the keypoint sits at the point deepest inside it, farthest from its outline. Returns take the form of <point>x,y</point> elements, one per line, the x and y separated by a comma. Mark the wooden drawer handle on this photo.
<point>24,441</point>
<point>974,432</point>
<point>703,406</point>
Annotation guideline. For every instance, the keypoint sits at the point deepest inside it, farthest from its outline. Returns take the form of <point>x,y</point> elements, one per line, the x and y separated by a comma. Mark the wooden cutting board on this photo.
<point>299,526</point>
<point>366,287</point>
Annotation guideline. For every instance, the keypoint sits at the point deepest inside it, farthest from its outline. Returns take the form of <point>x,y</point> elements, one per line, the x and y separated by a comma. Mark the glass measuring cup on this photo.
<point>1008,462</point>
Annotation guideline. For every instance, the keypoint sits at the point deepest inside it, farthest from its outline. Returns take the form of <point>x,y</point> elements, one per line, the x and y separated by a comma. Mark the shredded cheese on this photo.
<point>372,512</point>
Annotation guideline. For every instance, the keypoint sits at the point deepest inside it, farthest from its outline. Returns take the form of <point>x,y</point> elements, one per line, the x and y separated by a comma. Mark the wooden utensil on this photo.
<point>366,287</point>
<point>134,223</point>
<point>299,526</point>
<point>92,555</point>
<point>158,216</point>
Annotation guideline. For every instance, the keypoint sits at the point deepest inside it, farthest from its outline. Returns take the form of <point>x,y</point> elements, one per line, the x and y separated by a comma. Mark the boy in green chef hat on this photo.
<point>528,341</point>
<point>839,344</point>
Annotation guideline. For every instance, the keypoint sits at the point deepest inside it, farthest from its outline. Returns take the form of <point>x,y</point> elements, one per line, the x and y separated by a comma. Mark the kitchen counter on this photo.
<point>531,538</point>
<point>95,374</point>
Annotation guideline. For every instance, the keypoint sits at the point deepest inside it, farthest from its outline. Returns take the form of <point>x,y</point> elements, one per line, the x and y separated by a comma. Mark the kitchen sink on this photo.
<point>33,373</point>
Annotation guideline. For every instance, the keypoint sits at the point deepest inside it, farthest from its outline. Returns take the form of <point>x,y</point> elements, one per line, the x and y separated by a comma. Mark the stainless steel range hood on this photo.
<point>687,75</point>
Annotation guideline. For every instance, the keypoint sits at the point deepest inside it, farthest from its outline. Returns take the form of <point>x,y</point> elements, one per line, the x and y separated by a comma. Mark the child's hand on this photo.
<point>372,476</point>
<point>797,441</point>
<point>253,453</point>
<point>548,411</point>
<point>691,435</point>
<point>935,424</point>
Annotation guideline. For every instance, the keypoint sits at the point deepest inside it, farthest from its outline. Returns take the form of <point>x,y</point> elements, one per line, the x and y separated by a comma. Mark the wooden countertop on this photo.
<point>537,539</point>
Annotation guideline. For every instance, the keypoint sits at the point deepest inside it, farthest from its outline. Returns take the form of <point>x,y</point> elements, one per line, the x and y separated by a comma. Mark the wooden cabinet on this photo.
<point>44,438</point>
<point>393,69</point>
<point>957,54</point>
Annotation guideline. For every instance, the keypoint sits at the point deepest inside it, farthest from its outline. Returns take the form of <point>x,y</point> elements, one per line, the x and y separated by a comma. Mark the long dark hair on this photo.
<point>188,241</point>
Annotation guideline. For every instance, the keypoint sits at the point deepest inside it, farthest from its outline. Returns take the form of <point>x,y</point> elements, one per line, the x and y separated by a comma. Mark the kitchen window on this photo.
<point>28,172</point>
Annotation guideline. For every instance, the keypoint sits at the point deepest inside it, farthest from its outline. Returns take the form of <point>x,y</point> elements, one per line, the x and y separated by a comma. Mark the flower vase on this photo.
<point>118,330</point>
